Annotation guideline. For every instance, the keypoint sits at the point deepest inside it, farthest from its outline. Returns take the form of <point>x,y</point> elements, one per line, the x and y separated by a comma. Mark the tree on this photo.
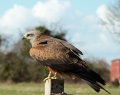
<point>57,34</point>
<point>2,41</point>
<point>112,19</point>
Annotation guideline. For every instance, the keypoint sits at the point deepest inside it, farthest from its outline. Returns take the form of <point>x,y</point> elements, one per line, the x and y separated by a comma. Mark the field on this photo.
<point>38,89</point>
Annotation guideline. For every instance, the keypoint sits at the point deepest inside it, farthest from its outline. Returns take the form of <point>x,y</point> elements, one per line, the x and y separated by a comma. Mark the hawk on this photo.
<point>61,58</point>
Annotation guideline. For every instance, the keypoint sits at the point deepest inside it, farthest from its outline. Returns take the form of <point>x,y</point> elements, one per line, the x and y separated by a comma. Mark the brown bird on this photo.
<point>61,57</point>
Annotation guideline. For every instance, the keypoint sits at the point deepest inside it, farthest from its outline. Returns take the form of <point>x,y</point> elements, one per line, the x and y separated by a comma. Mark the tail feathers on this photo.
<point>94,86</point>
<point>89,75</point>
<point>93,79</point>
<point>97,87</point>
<point>96,77</point>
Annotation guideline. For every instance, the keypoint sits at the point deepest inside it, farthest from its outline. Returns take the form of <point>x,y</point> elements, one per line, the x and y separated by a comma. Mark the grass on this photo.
<point>38,89</point>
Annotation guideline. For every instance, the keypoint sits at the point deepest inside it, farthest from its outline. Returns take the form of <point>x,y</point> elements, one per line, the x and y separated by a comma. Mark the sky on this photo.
<point>80,18</point>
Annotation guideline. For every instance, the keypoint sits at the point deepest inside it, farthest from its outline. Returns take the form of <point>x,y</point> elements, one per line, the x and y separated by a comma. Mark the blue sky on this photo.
<point>87,6</point>
<point>79,17</point>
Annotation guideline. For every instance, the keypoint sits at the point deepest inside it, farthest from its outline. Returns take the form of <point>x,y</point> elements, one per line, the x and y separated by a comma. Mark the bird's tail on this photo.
<point>97,87</point>
<point>93,79</point>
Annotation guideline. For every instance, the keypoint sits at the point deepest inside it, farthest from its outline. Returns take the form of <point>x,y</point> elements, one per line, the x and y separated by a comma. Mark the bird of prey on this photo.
<point>61,57</point>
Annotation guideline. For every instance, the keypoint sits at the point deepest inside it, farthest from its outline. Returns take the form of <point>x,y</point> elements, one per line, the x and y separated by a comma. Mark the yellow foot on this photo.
<point>47,78</point>
<point>54,77</point>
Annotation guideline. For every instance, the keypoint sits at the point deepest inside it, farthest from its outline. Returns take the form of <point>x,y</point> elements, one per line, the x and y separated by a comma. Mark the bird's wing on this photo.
<point>72,51</point>
<point>58,57</point>
<point>71,47</point>
<point>48,47</point>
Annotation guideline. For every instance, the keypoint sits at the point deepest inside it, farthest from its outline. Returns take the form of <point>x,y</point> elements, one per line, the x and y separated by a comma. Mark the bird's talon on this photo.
<point>53,77</point>
<point>47,78</point>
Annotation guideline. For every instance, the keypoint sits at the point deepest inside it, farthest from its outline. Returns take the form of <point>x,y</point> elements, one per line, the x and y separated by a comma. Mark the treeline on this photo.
<point>17,66</point>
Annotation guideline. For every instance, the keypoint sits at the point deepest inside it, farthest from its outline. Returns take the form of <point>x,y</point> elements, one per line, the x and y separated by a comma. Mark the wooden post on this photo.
<point>54,87</point>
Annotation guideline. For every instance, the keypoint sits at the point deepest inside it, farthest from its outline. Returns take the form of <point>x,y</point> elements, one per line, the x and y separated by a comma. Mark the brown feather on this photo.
<point>60,56</point>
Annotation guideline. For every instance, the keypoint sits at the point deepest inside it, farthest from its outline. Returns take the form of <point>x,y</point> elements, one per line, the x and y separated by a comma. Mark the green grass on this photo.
<point>38,89</point>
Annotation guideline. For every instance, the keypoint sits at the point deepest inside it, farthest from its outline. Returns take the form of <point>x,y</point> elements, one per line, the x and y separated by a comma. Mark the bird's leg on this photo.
<point>48,77</point>
<point>55,76</point>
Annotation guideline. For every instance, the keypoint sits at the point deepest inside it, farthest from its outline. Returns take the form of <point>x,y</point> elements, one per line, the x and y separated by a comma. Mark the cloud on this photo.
<point>100,45</point>
<point>96,41</point>
<point>110,19</point>
<point>20,18</point>
<point>50,11</point>
<point>16,18</point>
<point>103,12</point>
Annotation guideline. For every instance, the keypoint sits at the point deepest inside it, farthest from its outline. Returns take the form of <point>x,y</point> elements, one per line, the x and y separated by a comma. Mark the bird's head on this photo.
<point>31,35</point>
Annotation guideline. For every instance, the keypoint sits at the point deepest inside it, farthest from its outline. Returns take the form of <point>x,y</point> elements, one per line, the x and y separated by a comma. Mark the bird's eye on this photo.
<point>30,35</point>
